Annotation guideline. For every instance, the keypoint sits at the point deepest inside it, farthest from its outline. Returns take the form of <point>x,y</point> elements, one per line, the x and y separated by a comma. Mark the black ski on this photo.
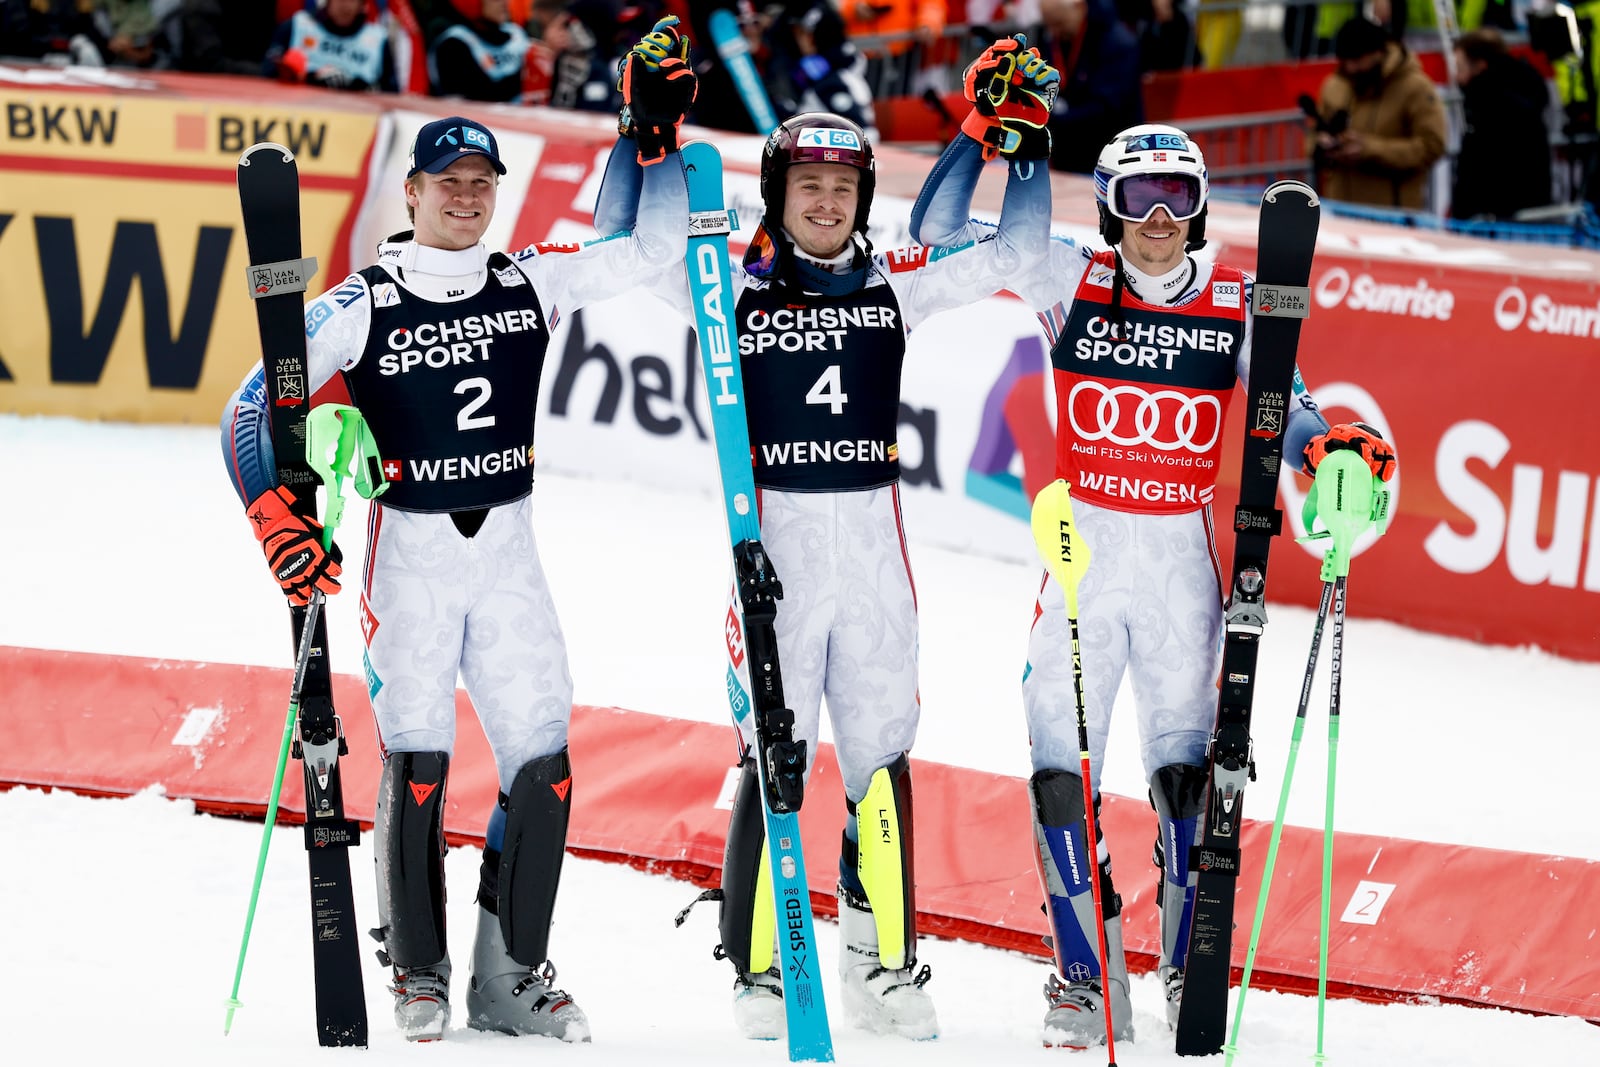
<point>269,199</point>
<point>1290,213</point>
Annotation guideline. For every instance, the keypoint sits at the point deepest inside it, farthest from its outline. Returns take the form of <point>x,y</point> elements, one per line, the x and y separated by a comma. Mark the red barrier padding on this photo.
<point>1411,919</point>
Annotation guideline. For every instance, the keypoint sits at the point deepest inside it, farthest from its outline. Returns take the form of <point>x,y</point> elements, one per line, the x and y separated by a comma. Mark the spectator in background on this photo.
<point>907,21</point>
<point>1396,125</point>
<point>1504,165</point>
<point>475,51</point>
<point>208,43</point>
<point>910,26</point>
<point>813,65</point>
<point>133,33</point>
<point>1163,30</point>
<point>564,67</point>
<point>335,47</point>
<point>56,31</point>
<point>804,57</point>
<point>983,15</point>
<point>1098,58</point>
<point>1219,32</point>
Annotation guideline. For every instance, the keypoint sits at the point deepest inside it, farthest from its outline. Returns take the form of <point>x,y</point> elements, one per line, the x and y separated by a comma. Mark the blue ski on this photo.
<point>734,51</point>
<point>779,758</point>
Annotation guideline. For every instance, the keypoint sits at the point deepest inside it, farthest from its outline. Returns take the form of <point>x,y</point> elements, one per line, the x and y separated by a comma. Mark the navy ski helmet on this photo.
<point>1150,166</point>
<point>816,137</point>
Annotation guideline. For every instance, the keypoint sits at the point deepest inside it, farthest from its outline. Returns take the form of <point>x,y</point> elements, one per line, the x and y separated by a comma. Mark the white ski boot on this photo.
<point>422,1001</point>
<point>875,998</point>
<point>510,998</point>
<point>1076,1017</point>
<point>758,1005</point>
<point>1172,983</point>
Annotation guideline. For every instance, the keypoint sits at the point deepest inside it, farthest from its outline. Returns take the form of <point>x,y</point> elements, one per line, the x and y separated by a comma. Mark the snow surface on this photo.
<point>125,539</point>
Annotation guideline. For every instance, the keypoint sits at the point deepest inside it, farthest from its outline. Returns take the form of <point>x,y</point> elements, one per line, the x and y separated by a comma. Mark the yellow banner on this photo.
<point>123,291</point>
<point>124,129</point>
<point>133,303</point>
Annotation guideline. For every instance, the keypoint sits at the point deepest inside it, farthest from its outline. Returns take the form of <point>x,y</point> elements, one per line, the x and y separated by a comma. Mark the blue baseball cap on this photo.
<point>443,141</point>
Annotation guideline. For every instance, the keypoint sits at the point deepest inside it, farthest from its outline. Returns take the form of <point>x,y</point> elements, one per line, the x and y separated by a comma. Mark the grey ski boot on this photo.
<point>422,1001</point>
<point>510,998</point>
<point>1075,1017</point>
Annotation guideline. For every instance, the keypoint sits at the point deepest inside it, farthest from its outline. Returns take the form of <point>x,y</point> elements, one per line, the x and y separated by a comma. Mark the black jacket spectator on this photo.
<point>30,30</point>
<point>211,44</point>
<point>1101,92</point>
<point>1504,165</point>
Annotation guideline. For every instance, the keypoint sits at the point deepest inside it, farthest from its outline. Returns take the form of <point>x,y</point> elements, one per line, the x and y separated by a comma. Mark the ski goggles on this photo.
<point>1135,197</point>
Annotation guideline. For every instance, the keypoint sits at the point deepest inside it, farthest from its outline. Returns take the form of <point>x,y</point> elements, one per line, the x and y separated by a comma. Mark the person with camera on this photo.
<point>1396,125</point>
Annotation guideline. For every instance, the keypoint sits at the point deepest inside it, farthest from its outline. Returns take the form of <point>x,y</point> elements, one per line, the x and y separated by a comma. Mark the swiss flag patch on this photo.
<point>392,470</point>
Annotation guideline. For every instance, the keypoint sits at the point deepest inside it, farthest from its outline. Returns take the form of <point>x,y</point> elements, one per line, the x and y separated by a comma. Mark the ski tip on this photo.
<point>265,146</point>
<point>1290,185</point>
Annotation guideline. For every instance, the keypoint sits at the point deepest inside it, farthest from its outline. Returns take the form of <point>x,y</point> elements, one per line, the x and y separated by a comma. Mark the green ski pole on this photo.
<point>1349,499</point>
<point>335,434</point>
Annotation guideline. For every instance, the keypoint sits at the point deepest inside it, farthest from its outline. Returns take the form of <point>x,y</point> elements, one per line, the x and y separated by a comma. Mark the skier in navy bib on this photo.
<point>822,326</point>
<point>1146,344</point>
<point>441,344</point>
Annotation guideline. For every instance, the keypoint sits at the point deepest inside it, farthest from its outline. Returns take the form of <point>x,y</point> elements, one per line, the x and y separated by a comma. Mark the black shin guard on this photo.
<point>741,870</point>
<point>409,844</point>
<point>1178,793</point>
<point>1057,804</point>
<point>518,883</point>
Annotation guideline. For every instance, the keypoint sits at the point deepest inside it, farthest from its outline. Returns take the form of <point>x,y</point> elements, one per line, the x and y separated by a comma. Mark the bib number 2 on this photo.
<point>467,418</point>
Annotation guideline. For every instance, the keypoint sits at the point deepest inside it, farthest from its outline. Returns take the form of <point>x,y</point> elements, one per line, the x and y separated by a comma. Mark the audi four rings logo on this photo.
<point>1127,415</point>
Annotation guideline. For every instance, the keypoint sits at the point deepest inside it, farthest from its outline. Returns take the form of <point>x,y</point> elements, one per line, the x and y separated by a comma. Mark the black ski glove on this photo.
<point>658,86</point>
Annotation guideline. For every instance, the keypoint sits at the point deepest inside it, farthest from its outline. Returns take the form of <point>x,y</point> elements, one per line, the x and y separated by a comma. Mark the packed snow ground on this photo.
<point>127,912</point>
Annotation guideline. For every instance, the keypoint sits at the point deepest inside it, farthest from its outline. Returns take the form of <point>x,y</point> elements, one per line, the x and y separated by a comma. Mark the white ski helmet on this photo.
<point>1146,167</point>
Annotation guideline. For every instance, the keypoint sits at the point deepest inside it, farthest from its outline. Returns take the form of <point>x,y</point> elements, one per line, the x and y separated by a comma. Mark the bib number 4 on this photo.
<point>829,390</point>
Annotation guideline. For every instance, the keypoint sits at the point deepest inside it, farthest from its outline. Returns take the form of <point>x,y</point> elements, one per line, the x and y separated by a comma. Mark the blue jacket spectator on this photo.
<point>477,52</point>
<point>335,46</point>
